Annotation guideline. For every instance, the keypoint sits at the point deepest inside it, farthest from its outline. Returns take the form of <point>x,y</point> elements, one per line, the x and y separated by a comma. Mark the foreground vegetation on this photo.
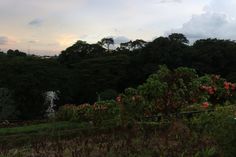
<point>174,113</point>
<point>207,134</point>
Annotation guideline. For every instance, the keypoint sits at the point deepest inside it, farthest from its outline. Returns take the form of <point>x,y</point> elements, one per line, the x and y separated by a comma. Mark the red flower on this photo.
<point>233,87</point>
<point>210,90</point>
<point>226,85</point>
<point>205,105</point>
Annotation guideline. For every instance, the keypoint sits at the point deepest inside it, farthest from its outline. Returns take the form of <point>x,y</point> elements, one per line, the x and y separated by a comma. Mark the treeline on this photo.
<point>90,72</point>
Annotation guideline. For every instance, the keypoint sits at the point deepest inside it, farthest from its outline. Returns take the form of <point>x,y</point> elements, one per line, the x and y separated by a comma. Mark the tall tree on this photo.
<point>107,42</point>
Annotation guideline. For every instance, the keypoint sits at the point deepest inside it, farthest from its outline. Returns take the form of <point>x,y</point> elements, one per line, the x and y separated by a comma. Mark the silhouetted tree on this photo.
<point>16,53</point>
<point>107,42</point>
<point>79,51</point>
<point>178,37</point>
<point>139,43</point>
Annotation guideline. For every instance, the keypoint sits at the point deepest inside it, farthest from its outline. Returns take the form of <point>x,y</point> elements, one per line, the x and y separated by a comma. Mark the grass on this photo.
<point>23,136</point>
<point>45,127</point>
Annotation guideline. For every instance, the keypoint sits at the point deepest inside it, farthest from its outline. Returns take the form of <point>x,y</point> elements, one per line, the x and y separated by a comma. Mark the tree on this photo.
<point>107,42</point>
<point>178,37</point>
<point>16,53</point>
<point>79,51</point>
<point>126,45</point>
<point>139,43</point>
<point>132,45</point>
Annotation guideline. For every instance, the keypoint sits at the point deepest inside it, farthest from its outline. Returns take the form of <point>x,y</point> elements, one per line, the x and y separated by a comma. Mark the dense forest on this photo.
<point>87,72</point>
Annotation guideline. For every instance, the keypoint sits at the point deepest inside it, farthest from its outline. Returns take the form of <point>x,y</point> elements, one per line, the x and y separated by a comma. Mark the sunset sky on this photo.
<point>45,27</point>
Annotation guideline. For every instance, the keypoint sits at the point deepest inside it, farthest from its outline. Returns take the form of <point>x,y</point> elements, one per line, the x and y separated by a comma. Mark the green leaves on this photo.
<point>7,107</point>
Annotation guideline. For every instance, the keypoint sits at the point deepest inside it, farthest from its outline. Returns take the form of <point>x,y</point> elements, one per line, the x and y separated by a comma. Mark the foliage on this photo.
<point>79,51</point>
<point>13,53</point>
<point>96,113</point>
<point>131,104</point>
<point>108,94</point>
<point>7,108</point>
<point>83,69</point>
<point>178,37</point>
<point>220,125</point>
<point>169,91</point>
<point>106,42</point>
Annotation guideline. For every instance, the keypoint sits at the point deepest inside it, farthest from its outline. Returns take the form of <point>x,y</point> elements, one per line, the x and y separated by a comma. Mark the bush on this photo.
<point>167,91</point>
<point>132,105</point>
<point>71,112</point>
<point>96,113</point>
<point>170,91</point>
<point>105,111</point>
<point>220,125</point>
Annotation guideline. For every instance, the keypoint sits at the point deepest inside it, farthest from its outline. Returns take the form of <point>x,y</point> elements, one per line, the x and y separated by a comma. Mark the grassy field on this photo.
<point>144,140</point>
<point>45,127</point>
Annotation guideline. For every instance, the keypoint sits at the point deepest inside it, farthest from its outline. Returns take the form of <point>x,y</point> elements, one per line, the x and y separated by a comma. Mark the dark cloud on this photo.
<point>36,22</point>
<point>3,40</point>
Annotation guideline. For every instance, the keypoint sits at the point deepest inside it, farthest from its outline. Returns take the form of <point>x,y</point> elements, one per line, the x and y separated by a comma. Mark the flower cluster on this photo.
<point>99,107</point>
<point>205,104</point>
<point>209,89</point>
<point>229,85</point>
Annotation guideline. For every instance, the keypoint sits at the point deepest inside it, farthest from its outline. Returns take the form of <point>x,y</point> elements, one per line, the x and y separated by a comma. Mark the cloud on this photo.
<point>33,41</point>
<point>66,21</point>
<point>217,21</point>
<point>170,1</point>
<point>3,40</point>
<point>36,22</point>
<point>208,25</point>
<point>120,39</point>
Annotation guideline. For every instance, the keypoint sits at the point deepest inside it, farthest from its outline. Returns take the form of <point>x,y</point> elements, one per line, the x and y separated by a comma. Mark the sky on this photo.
<point>46,27</point>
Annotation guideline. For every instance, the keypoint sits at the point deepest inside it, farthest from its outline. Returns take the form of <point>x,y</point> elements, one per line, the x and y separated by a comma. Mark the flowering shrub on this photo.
<point>95,113</point>
<point>131,104</point>
<point>104,111</point>
<point>170,91</point>
<point>167,91</point>
<point>217,89</point>
<point>70,112</point>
